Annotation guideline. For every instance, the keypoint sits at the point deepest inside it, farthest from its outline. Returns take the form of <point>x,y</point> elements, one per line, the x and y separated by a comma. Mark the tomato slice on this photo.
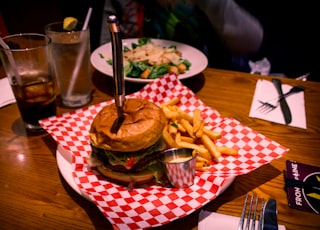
<point>130,162</point>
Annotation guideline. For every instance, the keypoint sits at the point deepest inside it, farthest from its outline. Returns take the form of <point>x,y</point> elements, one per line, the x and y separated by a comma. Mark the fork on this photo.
<point>268,106</point>
<point>248,217</point>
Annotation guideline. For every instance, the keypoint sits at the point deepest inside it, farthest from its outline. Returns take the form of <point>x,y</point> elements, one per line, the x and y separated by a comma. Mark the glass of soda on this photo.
<point>27,63</point>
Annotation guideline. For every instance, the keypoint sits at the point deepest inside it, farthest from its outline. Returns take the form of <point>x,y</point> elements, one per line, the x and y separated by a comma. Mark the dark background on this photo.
<point>291,36</point>
<point>32,15</point>
<point>291,40</point>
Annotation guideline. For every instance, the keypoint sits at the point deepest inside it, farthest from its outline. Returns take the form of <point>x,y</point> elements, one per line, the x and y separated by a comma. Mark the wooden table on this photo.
<point>34,195</point>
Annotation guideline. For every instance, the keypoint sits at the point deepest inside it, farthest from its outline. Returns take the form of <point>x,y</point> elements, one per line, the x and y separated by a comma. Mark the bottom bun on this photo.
<point>126,178</point>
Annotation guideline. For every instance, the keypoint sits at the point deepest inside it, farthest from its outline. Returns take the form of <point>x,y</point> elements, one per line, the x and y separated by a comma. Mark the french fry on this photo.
<point>227,150</point>
<point>199,133</point>
<point>187,139</point>
<point>173,108</point>
<point>209,144</point>
<point>201,167</point>
<point>194,153</point>
<point>181,128</point>
<point>178,137</point>
<point>188,127</point>
<point>186,116</point>
<point>168,139</point>
<point>200,164</point>
<point>212,134</point>
<point>188,131</point>
<point>173,115</point>
<point>192,146</point>
<point>196,120</point>
<point>173,101</point>
<point>204,158</point>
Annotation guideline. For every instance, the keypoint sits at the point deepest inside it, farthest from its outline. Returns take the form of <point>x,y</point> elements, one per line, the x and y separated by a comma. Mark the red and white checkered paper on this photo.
<point>153,206</point>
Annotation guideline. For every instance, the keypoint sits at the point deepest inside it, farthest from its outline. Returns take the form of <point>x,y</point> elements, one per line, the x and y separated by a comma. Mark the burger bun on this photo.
<point>142,177</point>
<point>142,126</point>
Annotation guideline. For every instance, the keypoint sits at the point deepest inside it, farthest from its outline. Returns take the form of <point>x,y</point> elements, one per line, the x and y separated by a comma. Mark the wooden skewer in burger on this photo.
<point>126,136</point>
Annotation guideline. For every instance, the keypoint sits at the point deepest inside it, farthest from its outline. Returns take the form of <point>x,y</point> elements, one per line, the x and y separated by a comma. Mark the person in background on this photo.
<point>291,39</point>
<point>225,32</point>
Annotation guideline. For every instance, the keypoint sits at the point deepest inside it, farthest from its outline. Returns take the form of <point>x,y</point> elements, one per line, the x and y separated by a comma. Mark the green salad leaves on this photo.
<point>147,60</point>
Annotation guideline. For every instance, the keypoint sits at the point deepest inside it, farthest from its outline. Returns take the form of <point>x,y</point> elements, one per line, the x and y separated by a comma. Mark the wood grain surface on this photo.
<point>34,195</point>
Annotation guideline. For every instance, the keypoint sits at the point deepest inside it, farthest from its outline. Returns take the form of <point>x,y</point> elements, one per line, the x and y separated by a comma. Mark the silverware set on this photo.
<point>256,214</point>
<point>268,106</point>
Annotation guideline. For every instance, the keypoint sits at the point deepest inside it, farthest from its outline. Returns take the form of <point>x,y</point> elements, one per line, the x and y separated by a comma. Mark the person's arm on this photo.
<point>238,29</point>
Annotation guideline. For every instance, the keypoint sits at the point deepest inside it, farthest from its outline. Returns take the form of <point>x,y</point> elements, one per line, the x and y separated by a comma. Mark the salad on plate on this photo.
<point>147,60</point>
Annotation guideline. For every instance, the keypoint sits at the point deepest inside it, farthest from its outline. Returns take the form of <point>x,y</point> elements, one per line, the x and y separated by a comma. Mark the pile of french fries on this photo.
<point>188,131</point>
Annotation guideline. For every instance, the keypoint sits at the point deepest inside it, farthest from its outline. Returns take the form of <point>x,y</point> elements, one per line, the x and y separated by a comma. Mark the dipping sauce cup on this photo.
<point>28,68</point>
<point>179,165</point>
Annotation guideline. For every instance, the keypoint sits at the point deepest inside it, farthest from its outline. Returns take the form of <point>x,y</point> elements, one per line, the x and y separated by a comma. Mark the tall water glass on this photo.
<point>27,63</point>
<point>71,62</point>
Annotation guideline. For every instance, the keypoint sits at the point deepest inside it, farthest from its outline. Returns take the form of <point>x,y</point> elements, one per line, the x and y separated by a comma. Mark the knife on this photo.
<point>118,75</point>
<point>283,103</point>
<point>270,220</point>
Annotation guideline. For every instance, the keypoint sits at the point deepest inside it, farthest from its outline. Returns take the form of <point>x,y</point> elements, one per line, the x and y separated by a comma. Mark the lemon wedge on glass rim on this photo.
<point>69,23</point>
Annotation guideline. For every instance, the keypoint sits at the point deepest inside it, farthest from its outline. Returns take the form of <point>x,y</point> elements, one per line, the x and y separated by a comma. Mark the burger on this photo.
<point>130,155</point>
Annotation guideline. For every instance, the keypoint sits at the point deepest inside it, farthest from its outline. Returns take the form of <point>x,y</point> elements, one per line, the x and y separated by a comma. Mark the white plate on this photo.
<point>64,161</point>
<point>197,59</point>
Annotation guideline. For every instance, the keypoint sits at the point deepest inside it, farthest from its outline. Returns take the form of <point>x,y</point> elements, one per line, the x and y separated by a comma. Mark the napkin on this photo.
<point>213,220</point>
<point>265,91</point>
<point>6,95</point>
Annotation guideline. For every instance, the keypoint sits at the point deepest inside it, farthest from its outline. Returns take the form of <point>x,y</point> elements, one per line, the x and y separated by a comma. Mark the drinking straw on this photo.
<point>80,56</point>
<point>8,52</point>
